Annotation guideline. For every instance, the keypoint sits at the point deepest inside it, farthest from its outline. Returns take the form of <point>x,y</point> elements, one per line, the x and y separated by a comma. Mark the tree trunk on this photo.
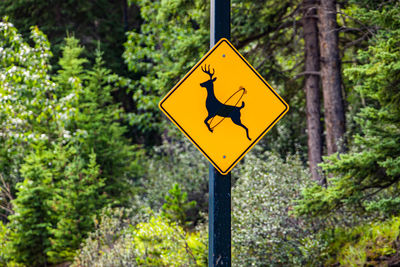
<point>312,88</point>
<point>331,77</point>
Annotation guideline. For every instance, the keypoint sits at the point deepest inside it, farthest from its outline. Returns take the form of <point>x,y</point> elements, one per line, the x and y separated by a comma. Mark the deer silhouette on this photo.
<point>215,107</point>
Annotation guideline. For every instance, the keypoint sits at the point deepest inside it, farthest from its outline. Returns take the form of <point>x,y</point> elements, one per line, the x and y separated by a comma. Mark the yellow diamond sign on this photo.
<point>223,106</point>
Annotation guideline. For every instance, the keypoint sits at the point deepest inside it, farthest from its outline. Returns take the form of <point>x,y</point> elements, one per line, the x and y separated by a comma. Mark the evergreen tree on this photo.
<point>331,76</point>
<point>312,88</point>
<point>78,196</point>
<point>96,123</point>
<point>367,178</point>
<point>33,213</point>
<point>176,206</point>
<point>73,158</point>
<point>54,205</point>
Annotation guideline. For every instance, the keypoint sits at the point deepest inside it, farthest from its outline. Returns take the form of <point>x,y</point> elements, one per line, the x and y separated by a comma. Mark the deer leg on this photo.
<point>206,122</point>
<point>236,120</point>
<point>247,132</point>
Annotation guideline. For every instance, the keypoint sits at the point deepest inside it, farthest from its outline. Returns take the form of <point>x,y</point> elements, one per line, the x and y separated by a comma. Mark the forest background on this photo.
<point>91,173</point>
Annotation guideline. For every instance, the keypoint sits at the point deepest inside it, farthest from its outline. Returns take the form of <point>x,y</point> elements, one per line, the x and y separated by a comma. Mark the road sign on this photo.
<point>223,106</point>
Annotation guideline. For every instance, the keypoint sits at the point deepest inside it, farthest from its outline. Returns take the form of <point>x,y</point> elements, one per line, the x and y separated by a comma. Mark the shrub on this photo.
<point>167,165</point>
<point>373,244</point>
<point>155,241</point>
<point>110,244</point>
<point>176,206</point>
<point>160,242</point>
<point>263,230</point>
<point>3,243</point>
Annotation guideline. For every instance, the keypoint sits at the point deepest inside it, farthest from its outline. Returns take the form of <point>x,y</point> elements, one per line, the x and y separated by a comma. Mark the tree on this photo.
<point>312,88</point>
<point>71,155</point>
<point>95,125</point>
<point>366,180</point>
<point>54,206</point>
<point>176,206</point>
<point>331,77</point>
<point>78,195</point>
<point>33,217</point>
<point>27,108</point>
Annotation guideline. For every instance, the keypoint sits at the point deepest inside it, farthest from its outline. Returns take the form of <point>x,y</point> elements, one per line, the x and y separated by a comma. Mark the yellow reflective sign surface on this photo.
<point>223,106</point>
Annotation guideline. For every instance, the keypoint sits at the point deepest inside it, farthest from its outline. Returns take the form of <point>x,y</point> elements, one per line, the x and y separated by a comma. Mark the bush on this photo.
<point>373,244</point>
<point>109,244</point>
<point>176,206</point>
<point>264,232</point>
<point>3,243</point>
<point>369,244</point>
<point>155,241</point>
<point>159,242</point>
<point>167,165</point>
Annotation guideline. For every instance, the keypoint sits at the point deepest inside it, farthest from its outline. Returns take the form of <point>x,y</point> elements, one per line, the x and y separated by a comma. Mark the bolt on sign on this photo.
<point>223,106</point>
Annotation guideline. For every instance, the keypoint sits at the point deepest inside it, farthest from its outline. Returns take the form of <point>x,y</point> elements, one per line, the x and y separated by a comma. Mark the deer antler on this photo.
<point>208,71</point>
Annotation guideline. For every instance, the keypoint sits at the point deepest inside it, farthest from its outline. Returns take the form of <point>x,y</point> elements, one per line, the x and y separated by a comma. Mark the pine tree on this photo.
<point>177,205</point>
<point>33,213</point>
<point>77,198</point>
<point>366,179</point>
<point>331,76</point>
<point>312,88</point>
<point>98,128</point>
<point>55,205</point>
<point>85,162</point>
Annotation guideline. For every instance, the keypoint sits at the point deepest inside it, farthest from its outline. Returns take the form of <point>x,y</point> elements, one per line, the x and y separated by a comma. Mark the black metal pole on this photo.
<point>219,214</point>
<point>220,21</point>
<point>219,209</point>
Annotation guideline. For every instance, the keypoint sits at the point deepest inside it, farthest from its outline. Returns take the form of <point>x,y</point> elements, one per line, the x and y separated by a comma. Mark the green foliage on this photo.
<point>26,106</point>
<point>78,197</point>
<point>70,63</point>
<point>371,244</point>
<point>168,165</point>
<point>161,52</point>
<point>374,242</point>
<point>62,139</point>
<point>263,230</point>
<point>147,240</point>
<point>55,205</point>
<point>3,244</point>
<point>161,243</point>
<point>366,180</point>
<point>89,21</point>
<point>176,206</point>
<point>363,184</point>
<point>63,145</point>
<point>32,221</point>
<point>95,125</point>
<point>110,244</point>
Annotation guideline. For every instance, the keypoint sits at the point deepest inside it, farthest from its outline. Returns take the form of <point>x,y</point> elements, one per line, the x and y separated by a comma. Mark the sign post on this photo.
<point>224,107</point>
<point>219,207</point>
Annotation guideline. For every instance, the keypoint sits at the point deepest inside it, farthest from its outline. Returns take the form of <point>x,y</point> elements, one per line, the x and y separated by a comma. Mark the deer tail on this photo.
<point>242,105</point>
